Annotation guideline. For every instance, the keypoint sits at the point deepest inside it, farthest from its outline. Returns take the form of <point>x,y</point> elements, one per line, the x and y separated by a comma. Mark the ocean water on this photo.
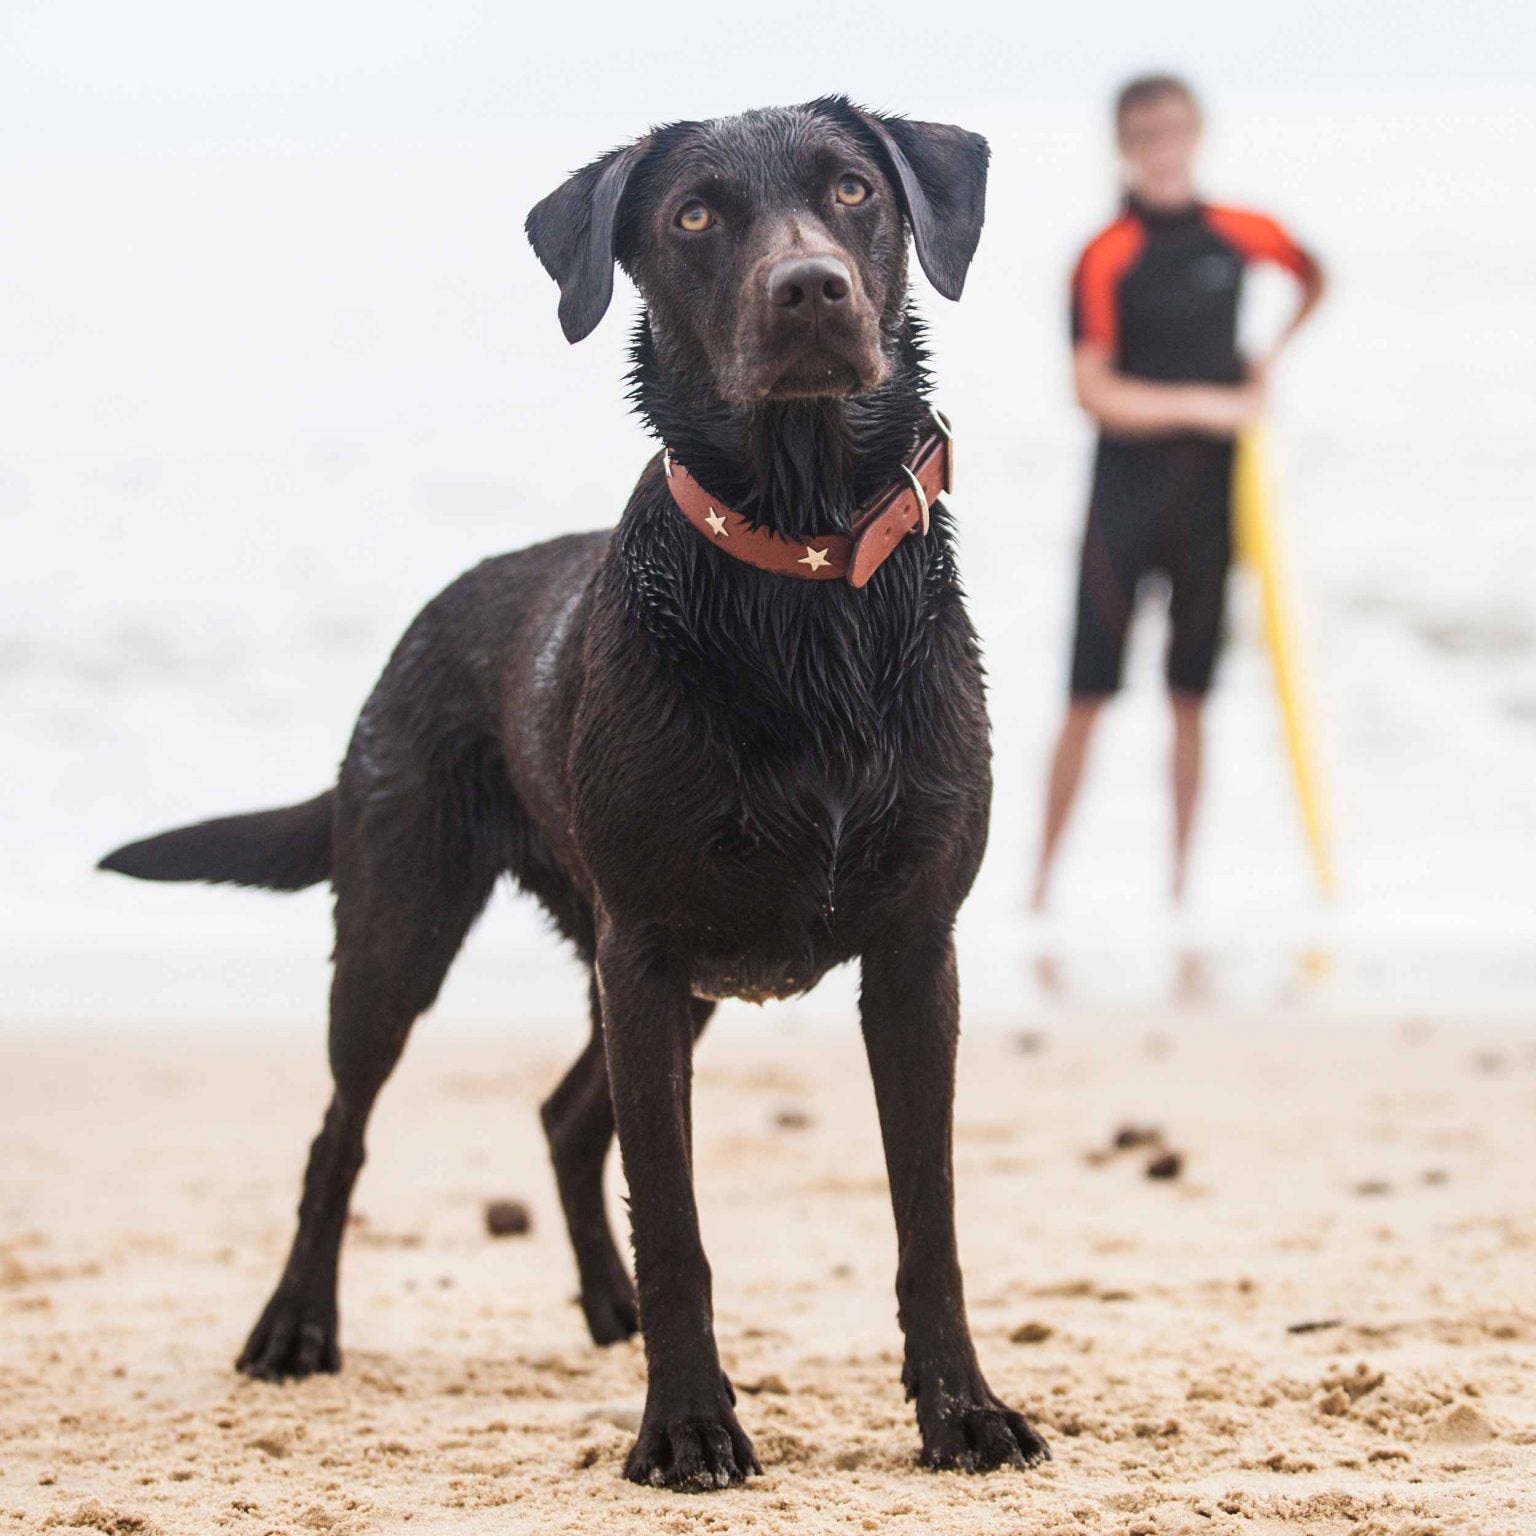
<point>260,406</point>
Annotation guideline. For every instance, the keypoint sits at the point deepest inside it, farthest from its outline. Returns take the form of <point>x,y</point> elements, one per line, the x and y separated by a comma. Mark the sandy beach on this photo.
<point>279,364</point>
<point>1370,1179</point>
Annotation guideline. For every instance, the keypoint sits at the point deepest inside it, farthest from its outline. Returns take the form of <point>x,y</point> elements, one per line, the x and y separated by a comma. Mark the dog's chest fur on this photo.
<point>804,775</point>
<point>799,866</point>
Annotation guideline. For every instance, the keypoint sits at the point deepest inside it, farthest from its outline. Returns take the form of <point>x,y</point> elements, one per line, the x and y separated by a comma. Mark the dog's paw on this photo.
<point>981,1438</point>
<point>612,1314</point>
<point>293,1337</point>
<point>693,1454</point>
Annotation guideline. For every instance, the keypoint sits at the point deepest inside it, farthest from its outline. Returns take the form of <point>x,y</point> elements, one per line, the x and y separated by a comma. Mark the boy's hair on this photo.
<point>1145,89</point>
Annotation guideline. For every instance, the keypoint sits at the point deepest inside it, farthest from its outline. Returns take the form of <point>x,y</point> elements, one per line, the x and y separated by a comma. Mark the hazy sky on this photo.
<point>87,76</point>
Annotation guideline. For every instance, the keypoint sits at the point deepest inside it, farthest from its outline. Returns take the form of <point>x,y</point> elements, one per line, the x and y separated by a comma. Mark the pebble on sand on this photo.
<point>1169,1166</point>
<point>1031,1333</point>
<point>771,1384</point>
<point>508,1218</point>
<point>793,1118</point>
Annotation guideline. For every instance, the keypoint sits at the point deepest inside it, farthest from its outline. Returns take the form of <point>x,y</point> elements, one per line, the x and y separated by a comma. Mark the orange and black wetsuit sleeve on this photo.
<point>1096,283</point>
<point>1257,237</point>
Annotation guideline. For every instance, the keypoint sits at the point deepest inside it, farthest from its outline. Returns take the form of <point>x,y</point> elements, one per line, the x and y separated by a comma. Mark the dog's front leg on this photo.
<point>910,1004</point>
<point>689,1438</point>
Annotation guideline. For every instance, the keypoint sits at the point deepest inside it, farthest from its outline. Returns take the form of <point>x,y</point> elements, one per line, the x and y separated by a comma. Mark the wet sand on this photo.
<point>1375,1179</point>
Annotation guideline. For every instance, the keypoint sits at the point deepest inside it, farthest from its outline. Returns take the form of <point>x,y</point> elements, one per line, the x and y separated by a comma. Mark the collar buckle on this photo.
<point>920,493</point>
<point>947,432</point>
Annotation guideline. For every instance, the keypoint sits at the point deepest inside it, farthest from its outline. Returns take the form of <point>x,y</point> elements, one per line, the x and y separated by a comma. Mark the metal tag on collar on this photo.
<point>920,493</point>
<point>666,462</point>
<point>941,421</point>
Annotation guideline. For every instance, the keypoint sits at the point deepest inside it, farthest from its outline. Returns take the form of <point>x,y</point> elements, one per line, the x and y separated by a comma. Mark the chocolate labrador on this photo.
<point>733,743</point>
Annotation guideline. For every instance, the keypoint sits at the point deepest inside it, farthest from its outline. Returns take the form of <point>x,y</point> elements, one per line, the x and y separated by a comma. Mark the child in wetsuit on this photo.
<point>1154,328</point>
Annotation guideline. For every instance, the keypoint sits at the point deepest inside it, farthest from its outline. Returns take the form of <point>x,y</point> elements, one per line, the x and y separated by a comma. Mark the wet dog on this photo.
<point>719,778</point>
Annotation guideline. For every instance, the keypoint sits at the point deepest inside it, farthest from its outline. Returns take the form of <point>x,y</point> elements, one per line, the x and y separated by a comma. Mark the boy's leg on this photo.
<point>1066,776</point>
<point>1118,546</point>
<point>1188,757</point>
<point>1197,619</point>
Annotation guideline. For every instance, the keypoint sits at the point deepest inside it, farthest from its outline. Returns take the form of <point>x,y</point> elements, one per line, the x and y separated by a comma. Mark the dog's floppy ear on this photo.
<point>941,173</point>
<point>572,232</point>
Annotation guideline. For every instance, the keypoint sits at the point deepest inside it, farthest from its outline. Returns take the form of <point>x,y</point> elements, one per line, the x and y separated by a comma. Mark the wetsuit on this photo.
<point>1159,291</point>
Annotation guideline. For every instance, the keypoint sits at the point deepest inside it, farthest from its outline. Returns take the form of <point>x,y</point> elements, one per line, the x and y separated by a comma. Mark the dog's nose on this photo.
<point>808,283</point>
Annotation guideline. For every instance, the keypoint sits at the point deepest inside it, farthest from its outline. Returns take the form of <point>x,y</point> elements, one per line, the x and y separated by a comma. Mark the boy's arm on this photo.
<point>1257,237</point>
<point>1131,407</point>
<point>1314,284</point>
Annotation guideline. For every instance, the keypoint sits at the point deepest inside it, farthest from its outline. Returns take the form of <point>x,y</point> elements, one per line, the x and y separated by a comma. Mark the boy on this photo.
<point>1155,362</point>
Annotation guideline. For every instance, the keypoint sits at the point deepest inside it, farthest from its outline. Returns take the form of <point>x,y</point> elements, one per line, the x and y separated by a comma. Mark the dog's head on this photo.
<point>770,249</point>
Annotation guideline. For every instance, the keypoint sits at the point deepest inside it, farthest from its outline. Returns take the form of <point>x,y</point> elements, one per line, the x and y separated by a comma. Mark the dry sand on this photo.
<point>1379,1177</point>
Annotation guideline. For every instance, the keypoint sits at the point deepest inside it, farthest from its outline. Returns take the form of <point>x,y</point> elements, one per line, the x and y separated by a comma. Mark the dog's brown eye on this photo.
<point>851,191</point>
<point>695,218</point>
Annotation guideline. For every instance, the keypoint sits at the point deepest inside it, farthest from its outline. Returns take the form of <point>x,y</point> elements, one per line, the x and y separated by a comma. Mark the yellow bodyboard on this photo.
<point>1258,546</point>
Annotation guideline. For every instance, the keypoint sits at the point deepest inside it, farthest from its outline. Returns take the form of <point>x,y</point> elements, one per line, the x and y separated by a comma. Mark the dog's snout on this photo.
<point>808,327</point>
<point>809,283</point>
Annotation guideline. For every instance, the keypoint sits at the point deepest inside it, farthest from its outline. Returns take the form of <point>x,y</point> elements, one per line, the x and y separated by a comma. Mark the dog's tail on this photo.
<point>284,850</point>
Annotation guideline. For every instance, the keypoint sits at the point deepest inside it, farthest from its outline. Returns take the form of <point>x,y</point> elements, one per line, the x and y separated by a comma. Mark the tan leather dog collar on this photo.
<point>877,530</point>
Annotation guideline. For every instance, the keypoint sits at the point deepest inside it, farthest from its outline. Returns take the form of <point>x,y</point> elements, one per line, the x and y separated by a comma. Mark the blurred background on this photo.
<point>274,353</point>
